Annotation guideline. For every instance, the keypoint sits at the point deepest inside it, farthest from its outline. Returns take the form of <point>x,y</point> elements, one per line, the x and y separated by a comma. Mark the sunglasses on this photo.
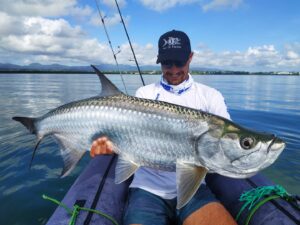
<point>169,63</point>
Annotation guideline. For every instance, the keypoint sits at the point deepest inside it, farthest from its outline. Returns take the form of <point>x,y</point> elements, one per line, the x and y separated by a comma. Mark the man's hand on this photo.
<point>101,146</point>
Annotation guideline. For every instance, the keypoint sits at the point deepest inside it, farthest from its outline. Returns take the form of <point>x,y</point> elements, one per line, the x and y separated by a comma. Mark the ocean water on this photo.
<point>265,103</point>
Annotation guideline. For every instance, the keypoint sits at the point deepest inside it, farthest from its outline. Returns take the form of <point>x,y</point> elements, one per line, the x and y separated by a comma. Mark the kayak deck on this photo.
<point>95,188</point>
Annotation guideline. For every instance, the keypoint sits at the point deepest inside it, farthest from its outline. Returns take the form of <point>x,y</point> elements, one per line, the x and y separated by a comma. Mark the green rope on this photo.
<point>76,209</point>
<point>252,198</point>
<point>58,203</point>
<point>259,205</point>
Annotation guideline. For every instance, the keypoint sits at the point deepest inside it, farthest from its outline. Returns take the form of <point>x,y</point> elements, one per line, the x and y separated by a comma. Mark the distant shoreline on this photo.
<point>194,72</point>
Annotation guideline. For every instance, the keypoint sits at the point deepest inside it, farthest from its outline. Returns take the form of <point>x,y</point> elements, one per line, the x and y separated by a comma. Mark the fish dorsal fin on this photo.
<point>188,179</point>
<point>70,154</point>
<point>108,88</point>
<point>124,169</point>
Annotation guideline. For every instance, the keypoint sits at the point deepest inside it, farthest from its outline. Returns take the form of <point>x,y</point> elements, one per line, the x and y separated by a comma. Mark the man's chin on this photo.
<point>175,81</point>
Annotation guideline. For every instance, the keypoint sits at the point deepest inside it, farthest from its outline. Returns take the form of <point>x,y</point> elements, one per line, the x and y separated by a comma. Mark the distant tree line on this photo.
<point>194,72</point>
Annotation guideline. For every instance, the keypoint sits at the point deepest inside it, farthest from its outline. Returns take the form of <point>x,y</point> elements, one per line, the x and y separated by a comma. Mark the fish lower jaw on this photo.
<point>277,147</point>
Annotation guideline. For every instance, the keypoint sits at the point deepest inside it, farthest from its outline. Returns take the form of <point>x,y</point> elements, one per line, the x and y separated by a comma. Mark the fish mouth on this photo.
<point>276,144</point>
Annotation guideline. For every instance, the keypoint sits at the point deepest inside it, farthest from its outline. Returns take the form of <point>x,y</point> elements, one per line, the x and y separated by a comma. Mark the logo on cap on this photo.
<point>172,42</point>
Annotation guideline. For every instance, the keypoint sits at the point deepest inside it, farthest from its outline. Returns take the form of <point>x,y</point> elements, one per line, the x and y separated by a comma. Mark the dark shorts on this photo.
<point>146,208</point>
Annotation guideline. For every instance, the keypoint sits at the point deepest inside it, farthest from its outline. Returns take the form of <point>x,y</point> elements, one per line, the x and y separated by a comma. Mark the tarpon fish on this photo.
<point>158,135</point>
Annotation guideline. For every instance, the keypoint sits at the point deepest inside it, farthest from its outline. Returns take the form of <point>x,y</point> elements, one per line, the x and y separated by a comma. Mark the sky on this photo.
<point>248,35</point>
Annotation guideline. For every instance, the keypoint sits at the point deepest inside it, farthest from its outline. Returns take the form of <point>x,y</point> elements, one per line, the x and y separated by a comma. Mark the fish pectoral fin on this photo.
<point>188,179</point>
<point>124,169</point>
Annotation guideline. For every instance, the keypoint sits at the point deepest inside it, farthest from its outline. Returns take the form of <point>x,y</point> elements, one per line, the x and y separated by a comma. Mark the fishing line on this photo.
<point>136,62</point>
<point>110,45</point>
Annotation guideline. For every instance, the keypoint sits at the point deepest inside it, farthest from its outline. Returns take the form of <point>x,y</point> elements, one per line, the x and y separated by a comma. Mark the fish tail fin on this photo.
<point>27,122</point>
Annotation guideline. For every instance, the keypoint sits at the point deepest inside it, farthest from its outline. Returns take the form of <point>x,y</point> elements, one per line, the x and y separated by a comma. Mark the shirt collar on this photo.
<point>177,89</point>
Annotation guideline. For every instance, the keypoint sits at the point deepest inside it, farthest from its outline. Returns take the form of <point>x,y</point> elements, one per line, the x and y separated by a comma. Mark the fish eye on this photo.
<point>247,142</point>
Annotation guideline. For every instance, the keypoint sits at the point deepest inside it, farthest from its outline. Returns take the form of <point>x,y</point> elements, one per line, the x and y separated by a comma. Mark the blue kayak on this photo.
<point>95,189</point>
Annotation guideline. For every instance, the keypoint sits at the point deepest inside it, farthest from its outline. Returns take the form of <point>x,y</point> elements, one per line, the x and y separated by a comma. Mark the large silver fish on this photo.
<point>156,134</point>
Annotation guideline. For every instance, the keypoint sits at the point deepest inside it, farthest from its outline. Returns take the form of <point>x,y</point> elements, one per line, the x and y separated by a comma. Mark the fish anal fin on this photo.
<point>70,154</point>
<point>188,178</point>
<point>124,169</point>
<point>71,158</point>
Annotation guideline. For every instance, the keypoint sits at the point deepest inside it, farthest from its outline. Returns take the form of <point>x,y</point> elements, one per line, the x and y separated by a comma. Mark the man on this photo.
<point>152,197</point>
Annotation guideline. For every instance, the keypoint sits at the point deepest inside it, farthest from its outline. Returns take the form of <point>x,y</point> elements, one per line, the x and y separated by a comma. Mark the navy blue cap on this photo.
<point>174,45</point>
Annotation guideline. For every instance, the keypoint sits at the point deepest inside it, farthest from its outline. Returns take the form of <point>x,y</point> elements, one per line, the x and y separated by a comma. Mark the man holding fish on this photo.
<point>153,193</point>
<point>169,147</point>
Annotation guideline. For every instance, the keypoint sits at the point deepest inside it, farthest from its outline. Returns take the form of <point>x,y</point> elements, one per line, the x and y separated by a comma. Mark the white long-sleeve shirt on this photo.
<point>198,96</point>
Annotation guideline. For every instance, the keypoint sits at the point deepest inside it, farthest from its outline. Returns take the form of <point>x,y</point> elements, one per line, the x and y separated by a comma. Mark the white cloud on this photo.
<point>256,58</point>
<point>44,8</point>
<point>29,39</point>
<point>265,55</point>
<point>162,5</point>
<point>38,34</point>
<point>146,55</point>
<point>165,4</point>
<point>81,11</point>
<point>112,3</point>
<point>55,27</point>
<point>36,7</point>
<point>292,55</point>
<point>68,51</point>
<point>47,40</point>
<point>221,4</point>
<point>10,25</point>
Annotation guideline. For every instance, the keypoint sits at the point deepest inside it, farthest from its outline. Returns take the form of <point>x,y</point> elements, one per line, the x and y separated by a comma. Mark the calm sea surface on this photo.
<point>266,103</point>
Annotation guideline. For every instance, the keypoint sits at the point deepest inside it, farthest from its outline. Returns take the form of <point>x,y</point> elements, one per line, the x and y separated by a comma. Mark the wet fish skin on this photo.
<point>156,134</point>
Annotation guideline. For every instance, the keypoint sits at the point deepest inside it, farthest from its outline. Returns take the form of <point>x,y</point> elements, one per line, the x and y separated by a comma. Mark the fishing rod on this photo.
<point>110,45</point>
<point>136,62</point>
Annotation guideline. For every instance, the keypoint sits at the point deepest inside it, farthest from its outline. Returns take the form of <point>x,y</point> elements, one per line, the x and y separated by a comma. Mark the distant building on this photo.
<point>284,73</point>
